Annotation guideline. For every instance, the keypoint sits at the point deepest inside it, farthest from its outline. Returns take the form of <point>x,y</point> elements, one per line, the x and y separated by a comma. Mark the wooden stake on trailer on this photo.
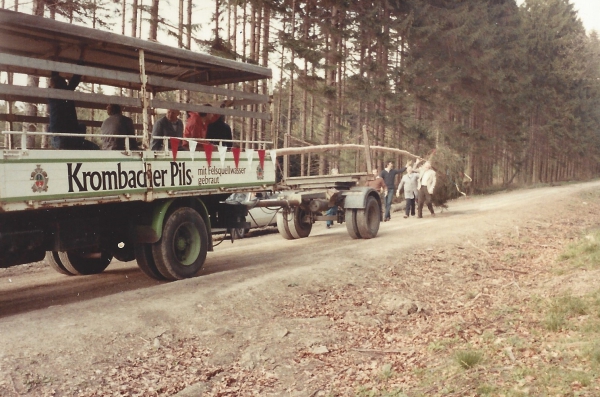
<point>143,80</point>
<point>367,149</point>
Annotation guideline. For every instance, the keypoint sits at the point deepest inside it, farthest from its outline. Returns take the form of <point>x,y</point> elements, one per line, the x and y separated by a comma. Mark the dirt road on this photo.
<point>121,332</point>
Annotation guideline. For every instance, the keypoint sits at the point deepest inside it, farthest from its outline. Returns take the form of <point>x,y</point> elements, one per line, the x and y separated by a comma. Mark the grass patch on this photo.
<point>468,359</point>
<point>554,322</point>
<point>562,308</point>
<point>364,392</point>
<point>486,390</point>
<point>584,253</point>
<point>442,344</point>
<point>595,354</point>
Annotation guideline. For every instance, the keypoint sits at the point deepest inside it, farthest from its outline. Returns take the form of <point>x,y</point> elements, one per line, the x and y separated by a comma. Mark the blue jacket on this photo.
<point>390,177</point>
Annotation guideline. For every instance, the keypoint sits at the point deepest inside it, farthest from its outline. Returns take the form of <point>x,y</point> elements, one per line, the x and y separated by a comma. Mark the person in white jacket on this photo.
<point>426,185</point>
<point>410,182</point>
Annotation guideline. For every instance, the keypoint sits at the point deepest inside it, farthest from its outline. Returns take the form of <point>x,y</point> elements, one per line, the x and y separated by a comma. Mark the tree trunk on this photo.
<point>217,16</point>
<point>265,63</point>
<point>330,70</point>
<point>244,131</point>
<point>153,21</point>
<point>134,17</point>
<point>291,94</point>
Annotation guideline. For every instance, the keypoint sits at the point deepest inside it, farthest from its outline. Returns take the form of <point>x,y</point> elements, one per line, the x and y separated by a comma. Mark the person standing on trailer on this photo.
<point>117,124</point>
<point>220,130</point>
<point>389,177</point>
<point>167,126</point>
<point>196,125</point>
<point>61,112</point>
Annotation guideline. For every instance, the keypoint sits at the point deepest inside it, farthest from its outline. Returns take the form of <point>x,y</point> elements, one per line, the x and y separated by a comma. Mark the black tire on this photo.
<point>282,224</point>
<point>54,261</point>
<point>181,251</point>
<point>369,218</point>
<point>145,261</point>
<point>350,219</point>
<point>84,263</point>
<point>298,228</point>
<point>125,253</point>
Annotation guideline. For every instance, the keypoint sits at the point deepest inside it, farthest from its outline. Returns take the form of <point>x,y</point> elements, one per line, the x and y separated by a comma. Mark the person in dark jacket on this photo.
<point>61,112</point>
<point>63,117</point>
<point>219,130</point>
<point>117,124</point>
<point>389,177</point>
<point>169,125</point>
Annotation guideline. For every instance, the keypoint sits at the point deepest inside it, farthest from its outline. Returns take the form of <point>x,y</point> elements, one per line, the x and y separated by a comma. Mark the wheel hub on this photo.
<point>181,244</point>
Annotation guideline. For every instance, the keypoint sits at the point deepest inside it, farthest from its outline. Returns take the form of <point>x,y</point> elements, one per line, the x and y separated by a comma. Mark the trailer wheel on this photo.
<point>350,219</point>
<point>54,261</point>
<point>298,228</point>
<point>181,251</point>
<point>81,262</point>
<point>145,261</point>
<point>282,224</point>
<point>369,218</point>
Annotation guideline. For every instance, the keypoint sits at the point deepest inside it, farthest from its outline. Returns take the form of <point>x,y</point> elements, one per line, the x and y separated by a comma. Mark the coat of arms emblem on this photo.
<point>260,173</point>
<point>40,180</point>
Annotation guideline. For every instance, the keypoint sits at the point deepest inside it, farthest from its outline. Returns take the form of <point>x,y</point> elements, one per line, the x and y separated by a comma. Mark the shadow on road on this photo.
<point>53,289</point>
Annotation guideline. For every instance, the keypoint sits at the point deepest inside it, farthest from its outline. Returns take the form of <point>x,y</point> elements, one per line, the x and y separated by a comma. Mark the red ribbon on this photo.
<point>236,155</point>
<point>208,149</point>
<point>261,158</point>
<point>174,142</point>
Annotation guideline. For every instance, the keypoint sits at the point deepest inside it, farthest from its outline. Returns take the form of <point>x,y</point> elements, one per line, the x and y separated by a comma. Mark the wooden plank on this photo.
<point>367,149</point>
<point>180,85</point>
<point>19,118</point>
<point>41,95</point>
<point>157,104</point>
<point>62,67</point>
<point>78,104</point>
<point>46,93</point>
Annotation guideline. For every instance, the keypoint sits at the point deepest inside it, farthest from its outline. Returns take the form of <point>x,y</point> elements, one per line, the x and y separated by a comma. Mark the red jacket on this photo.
<point>196,126</point>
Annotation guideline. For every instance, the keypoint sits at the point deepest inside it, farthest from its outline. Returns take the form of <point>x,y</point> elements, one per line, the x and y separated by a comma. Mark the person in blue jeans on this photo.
<point>389,177</point>
<point>333,210</point>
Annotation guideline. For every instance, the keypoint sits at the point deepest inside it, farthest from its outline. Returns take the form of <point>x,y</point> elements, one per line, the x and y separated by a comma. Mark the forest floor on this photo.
<point>496,296</point>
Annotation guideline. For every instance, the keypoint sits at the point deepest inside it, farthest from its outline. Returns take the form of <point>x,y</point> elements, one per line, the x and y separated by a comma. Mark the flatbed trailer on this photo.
<point>79,209</point>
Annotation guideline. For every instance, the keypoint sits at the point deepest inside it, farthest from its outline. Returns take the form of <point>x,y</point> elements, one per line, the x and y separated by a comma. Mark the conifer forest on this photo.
<point>511,91</point>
